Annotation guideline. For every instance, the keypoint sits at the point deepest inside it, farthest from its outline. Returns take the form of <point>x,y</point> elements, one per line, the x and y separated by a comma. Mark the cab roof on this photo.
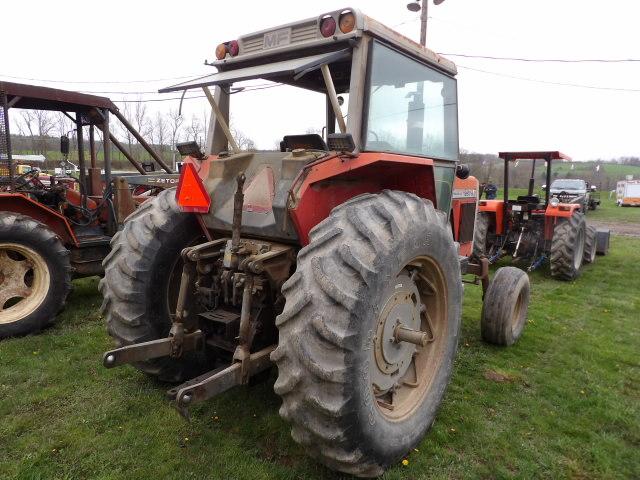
<point>304,44</point>
<point>541,155</point>
<point>45,98</point>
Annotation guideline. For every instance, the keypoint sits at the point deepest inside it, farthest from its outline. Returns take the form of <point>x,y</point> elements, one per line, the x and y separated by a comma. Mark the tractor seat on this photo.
<point>309,141</point>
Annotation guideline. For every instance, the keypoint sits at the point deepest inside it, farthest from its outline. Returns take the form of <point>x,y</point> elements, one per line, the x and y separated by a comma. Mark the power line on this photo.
<point>545,60</point>
<point>113,82</point>
<point>549,82</point>
<point>247,89</point>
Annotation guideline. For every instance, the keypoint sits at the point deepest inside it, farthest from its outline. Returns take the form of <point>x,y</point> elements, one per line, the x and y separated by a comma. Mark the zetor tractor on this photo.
<point>54,228</point>
<point>334,258</point>
<point>532,231</point>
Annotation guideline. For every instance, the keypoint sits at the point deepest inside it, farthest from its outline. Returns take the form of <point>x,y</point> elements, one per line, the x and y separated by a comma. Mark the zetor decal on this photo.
<point>465,193</point>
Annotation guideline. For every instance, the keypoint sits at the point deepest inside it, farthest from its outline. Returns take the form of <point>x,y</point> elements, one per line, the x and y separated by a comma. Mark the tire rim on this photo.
<point>579,251</point>
<point>515,316</point>
<point>24,281</point>
<point>401,372</point>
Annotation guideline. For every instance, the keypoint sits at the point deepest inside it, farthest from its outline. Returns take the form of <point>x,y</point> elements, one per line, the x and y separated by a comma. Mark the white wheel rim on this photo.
<point>24,281</point>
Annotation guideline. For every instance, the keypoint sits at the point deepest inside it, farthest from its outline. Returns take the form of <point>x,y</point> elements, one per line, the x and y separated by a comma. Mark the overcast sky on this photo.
<point>117,41</point>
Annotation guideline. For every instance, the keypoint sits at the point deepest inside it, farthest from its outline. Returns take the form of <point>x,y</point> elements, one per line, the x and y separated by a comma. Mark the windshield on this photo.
<point>568,185</point>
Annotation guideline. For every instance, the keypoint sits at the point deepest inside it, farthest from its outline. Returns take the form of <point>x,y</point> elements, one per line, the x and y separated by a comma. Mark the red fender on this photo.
<point>18,203</point>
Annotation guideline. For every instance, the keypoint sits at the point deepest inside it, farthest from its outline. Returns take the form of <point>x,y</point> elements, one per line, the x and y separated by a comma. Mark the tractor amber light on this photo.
<point>234,48</point>
<point>347,21</point>
<point>191,195</point>
<point>327,26</point>
<point>221,51</point>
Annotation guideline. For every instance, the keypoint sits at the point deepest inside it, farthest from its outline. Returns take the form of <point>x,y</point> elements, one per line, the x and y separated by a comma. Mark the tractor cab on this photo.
<point>383,101</point>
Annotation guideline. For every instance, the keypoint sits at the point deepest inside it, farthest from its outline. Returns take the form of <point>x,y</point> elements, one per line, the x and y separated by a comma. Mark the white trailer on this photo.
<point>628,193</point>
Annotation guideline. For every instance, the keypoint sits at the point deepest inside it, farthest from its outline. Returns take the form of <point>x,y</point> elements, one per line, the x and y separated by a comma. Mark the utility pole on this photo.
<point>424,15</point>
<point>416,107</point>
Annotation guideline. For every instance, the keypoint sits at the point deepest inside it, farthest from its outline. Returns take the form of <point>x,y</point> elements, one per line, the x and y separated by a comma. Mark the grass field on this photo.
<point>563,403</point>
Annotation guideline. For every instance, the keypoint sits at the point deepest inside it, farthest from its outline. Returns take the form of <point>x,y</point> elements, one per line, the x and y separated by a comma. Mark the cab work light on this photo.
<point>191,195</point>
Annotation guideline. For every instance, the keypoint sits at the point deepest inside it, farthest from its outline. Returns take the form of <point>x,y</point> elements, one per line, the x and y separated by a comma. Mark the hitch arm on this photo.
<point>220,381</point>
<point>148,350</point>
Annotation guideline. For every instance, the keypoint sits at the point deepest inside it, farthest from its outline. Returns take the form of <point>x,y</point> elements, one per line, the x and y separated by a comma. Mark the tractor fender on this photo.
<point>553,213</point>
<point>495,207</point>
<point>338,178</point>
<point>563,210</point>
<point>18,203</point>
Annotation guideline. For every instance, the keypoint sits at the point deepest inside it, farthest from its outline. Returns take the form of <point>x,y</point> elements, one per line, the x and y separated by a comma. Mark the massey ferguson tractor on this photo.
<point>338,259</point>
<point>54,228</point>
<point>534,232</point>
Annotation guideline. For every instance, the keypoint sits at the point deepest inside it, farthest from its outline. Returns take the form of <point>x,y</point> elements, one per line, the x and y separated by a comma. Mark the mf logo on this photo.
<point>277,38</point>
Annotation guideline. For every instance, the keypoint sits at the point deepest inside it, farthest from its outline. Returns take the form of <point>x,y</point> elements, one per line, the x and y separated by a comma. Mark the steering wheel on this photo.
<point>34,179</point>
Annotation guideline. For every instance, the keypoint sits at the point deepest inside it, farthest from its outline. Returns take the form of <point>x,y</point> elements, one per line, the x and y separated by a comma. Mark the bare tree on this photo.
<point>244,142</point>
<point>28,122</point>
<point>160,131</point>
<point>195,130</point>
<point>126,113</point>
<point>175,127</point>
<point>63,123</point>
<point>142,123</point>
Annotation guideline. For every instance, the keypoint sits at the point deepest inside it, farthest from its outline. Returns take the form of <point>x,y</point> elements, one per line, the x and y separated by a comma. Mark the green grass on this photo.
<point>609,211</point>
<point>569,408</point>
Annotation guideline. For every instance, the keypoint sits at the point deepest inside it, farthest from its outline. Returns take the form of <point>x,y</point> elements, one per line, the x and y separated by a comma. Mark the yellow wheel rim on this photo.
<point>24,281</point>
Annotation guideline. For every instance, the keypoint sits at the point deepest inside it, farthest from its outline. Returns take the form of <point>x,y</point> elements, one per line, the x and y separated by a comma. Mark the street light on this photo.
<point>416,7</point>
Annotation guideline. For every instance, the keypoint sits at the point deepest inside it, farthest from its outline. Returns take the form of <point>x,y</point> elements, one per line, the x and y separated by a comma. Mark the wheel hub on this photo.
<point>392,357</point>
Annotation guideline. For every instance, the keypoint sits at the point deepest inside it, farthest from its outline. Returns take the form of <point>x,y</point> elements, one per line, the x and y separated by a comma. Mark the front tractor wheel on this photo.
<point>141,281</point>
<point>505,305</point>
<point>567,247</point>
<point>35,275</point>
<point>369,331</point>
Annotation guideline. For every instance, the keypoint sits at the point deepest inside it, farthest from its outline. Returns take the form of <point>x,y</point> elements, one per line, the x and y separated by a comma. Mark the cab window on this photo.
<point>412,108</point>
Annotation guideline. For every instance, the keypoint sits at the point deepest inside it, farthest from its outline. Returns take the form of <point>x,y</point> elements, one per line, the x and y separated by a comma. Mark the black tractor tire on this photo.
<point>567,247</point>
<point>327,330</point>
<point>590,246</point>
<point>505,305</point>
<point>483,233</point>
<point>139,283</point>
<point>31,251</point>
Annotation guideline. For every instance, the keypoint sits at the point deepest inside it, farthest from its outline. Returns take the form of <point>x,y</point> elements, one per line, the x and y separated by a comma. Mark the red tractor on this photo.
<point>54,228</point>
<point>533,231</point>
<point>338,259</point>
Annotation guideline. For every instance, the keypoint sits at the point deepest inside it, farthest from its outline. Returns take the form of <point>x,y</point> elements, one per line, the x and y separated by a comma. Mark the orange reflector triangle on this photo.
<point>191,194</point>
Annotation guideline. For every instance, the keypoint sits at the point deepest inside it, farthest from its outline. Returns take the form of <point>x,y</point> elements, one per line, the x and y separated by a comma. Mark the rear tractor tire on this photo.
<point>141,280</point>
<point>567,247</point>
<point>590,245</point>
<point>35,275</point>
<point>358,396</point>
<point>504,310</point>
<point>483,234</point>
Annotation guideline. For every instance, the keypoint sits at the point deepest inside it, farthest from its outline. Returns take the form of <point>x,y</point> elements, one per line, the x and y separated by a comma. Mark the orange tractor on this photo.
<point>534,231</point>
<point>54,228</point>
<point>340,259</point>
